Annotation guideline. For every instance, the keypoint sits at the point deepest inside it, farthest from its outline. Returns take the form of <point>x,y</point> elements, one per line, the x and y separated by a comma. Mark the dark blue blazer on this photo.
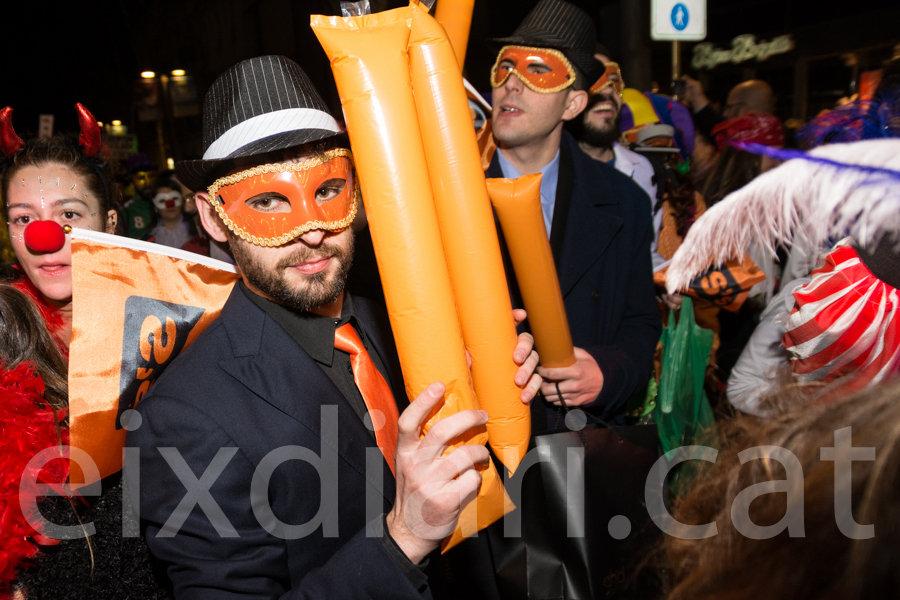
<point>601,237</point>
<point>246,384</point>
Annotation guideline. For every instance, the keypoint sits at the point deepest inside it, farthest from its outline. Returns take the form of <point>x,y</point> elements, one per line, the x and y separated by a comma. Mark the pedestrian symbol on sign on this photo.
<point>680,16</point>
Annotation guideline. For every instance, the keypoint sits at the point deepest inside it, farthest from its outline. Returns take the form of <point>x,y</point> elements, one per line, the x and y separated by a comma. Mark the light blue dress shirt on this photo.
<point>550,176</point>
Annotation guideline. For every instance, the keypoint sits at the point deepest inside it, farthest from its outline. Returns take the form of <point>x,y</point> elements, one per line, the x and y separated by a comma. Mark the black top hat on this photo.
<point>257,106</point>
<point>564,27</point>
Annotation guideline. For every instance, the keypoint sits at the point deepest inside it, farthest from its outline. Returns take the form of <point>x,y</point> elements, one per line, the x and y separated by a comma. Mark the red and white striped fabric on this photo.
<point>844,325</point>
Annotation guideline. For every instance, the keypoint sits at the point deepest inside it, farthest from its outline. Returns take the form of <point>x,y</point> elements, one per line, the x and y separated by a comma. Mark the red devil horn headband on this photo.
<point>10,143</point>
<point>89,139</point>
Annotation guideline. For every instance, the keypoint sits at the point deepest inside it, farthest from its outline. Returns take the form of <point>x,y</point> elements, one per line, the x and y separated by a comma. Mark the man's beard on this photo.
<point>601,137</point>
<point>319,289</point>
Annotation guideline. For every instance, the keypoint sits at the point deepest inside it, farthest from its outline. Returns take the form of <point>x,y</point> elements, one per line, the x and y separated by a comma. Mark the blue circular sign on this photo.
<point>680,16</point>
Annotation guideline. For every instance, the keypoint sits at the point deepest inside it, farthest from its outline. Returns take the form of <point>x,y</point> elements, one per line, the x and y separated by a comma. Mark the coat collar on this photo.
<point>624,160</point>
<point>298,387</point>
<point>594,216</point>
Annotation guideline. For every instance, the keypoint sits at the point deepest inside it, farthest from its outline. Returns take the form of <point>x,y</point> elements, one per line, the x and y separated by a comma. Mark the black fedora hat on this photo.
<point>257,106</point>
<point>562,26</point>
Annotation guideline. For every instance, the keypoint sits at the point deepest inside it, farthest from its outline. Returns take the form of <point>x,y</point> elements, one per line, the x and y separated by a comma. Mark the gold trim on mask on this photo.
<point>524,80</point>
<point>282,168</point>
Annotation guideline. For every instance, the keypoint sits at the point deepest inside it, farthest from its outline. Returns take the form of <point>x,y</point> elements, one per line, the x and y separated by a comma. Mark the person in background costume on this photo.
<point>733,169</point>
<point>597,128</point>
<point>753,96</point>
<point>838,326</point>
<point>290,351</point>
<point>171,228</point>
<point>51,186</point>
<point>139,208</point>
<point>48,186</point>
<point>598,220</point>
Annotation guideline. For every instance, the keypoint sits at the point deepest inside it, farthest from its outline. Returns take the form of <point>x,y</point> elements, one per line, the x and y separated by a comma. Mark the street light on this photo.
<point>148,74</point>
<point>178,73</point>
<point>116,122</point>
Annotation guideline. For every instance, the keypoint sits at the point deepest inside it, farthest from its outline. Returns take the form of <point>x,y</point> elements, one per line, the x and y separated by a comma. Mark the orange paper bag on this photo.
<point>470,236</point>
<point>137,305</point>
<point>518,206</point>
<point>727,285</point>
<point>369,60</point>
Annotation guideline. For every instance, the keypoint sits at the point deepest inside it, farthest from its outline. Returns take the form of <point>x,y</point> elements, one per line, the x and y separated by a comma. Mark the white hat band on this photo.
<point>269,124</point>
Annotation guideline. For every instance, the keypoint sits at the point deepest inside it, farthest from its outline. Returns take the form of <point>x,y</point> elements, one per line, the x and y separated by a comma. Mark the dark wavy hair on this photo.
<point>732,170</point>
<point>24,338</point>
<point>63,149</point>
<point>680,193</point>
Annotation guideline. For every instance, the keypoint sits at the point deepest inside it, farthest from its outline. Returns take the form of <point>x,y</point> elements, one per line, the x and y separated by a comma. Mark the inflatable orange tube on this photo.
<point>369,61</point>
<point>470,236</point>
<point>518,206</point>
<point>456,18</point>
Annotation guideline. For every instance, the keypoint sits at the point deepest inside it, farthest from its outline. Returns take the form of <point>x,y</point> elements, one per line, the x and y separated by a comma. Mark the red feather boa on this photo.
<point>27,426</point>
<point>52,317</point>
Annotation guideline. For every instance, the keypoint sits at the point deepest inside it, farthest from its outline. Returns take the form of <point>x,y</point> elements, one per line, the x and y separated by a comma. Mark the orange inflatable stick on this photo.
<point>369,61</point>
<point>470,236</point>
<point>456,18</point>
<point>518,206</point>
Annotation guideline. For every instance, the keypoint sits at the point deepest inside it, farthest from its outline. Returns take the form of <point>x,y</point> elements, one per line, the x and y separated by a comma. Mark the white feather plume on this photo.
<point>803,199</point>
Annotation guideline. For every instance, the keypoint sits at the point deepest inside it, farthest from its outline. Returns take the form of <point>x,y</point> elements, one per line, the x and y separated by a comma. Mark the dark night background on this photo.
<point>62,53</point>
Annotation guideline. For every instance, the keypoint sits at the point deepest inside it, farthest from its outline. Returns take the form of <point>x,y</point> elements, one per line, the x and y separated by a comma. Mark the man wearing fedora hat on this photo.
<point>282,421</point>
<point>598,220</point>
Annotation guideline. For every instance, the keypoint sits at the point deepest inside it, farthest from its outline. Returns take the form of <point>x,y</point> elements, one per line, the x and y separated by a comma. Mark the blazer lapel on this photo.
<point>593,220</point>
<point>564,188</point>
<point>269,363</point>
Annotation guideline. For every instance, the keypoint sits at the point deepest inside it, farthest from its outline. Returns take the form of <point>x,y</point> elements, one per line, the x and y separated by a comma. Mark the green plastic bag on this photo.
<point>682,412</point>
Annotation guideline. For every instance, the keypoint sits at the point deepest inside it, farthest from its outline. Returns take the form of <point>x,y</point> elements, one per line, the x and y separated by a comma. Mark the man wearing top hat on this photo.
<point>598,220</point>
<point>269,448</point>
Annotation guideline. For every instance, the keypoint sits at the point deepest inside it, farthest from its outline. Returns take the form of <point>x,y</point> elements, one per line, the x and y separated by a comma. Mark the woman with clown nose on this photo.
<point>49,187</point>
<point>171,229</point>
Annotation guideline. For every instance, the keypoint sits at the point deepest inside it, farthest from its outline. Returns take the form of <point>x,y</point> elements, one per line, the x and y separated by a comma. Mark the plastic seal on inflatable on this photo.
<point>518,206</point>
<point>355,9</point>
<point>368,57</point>
<point>471,246</point>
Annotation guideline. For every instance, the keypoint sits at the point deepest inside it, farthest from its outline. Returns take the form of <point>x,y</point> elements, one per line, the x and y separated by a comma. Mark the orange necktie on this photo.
<point>374,389</point>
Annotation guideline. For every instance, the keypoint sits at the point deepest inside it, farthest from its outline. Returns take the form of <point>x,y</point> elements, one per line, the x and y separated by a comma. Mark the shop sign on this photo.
<point>743,48</point>
<point>678,20</point>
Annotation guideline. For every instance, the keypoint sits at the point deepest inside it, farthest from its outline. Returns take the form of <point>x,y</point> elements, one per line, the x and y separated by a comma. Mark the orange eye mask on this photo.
<point>611,77</point>
<point>543,70</point>
<point>272,204</point>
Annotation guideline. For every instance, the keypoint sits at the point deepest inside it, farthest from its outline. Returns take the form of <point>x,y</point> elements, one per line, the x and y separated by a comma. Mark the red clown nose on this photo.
<point>44,236</point>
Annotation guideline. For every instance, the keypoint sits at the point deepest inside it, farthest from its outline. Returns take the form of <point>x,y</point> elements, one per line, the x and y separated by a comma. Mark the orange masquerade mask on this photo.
<point>269,205</point>
<point>543,70</point>
<point>612,77</point>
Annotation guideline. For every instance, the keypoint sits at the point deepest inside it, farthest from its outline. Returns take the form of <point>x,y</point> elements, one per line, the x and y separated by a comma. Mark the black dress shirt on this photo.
<point>315,334</point>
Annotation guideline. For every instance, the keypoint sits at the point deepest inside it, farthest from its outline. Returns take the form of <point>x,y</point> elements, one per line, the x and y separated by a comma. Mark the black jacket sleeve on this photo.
<point>220,549</point>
